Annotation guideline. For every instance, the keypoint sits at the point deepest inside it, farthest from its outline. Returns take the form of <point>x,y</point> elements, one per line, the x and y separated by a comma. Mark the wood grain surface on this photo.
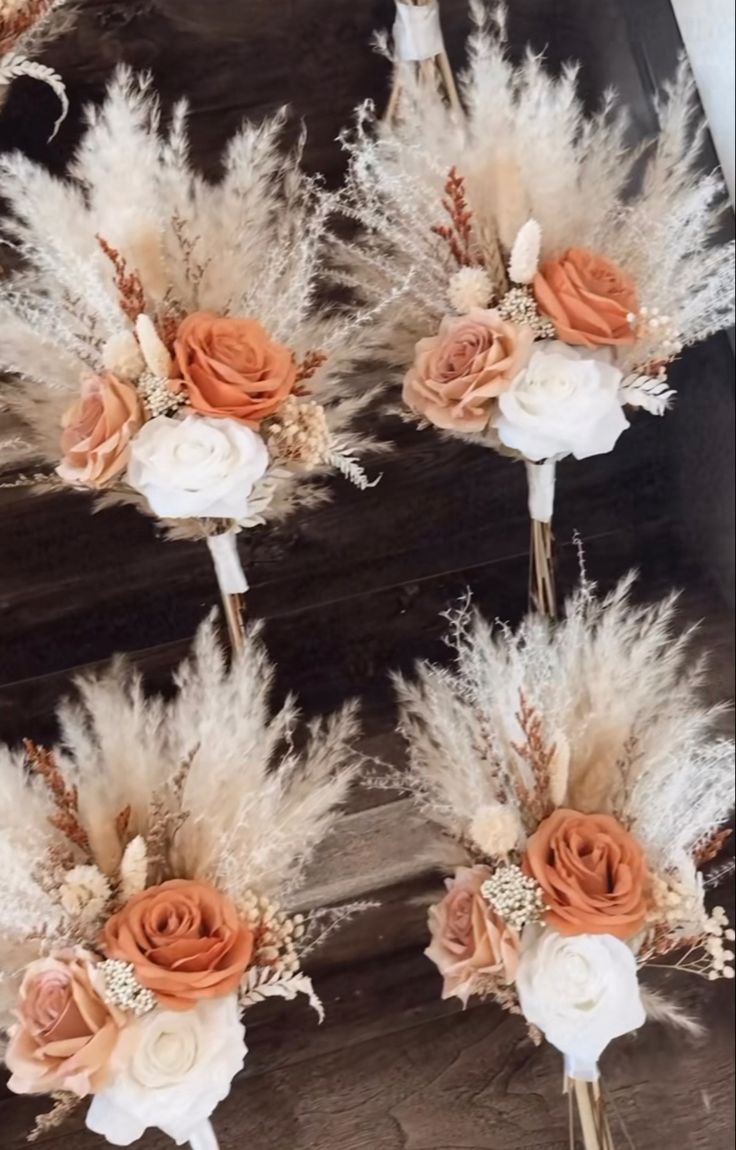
<point>356,588</point>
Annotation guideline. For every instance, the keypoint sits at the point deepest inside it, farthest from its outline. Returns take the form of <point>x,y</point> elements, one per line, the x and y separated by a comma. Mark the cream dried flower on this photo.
<point>122,356</point>
<point>496,830</point>
<point>469,288</point>
<point>84,893</point>
<point>299,434</point>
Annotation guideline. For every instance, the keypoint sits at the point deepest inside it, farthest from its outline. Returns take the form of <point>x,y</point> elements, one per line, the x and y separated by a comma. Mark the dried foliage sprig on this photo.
<point>42,762</point>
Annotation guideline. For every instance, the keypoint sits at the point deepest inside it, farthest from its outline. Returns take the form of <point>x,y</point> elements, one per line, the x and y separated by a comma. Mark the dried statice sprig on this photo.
<point>608,676</point>
<point>133,226</point>
<point>211,784</point>
<point>528,150</point>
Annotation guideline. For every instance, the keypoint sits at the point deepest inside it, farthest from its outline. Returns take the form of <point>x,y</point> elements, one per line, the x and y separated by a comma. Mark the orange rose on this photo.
<point>587,297</point>
<point>593,873</point>
<point>458,373</point>
<point>468,938</point>
<point>185,941</point>
<point>97,431</point>
<point>231,367</point>
<point>65,1033</point>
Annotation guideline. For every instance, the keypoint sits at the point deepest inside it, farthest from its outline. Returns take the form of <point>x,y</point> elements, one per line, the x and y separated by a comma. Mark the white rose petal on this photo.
<point>581,992</point>
<point>196,467</point>
<point>170,1070</point>
<point>565,402</point>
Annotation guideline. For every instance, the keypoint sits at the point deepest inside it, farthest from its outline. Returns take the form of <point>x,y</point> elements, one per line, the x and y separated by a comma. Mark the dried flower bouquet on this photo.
<point>25,26</point>
<point>552,272</point>
<point>576,765</point>
<point>145,865</point>
<point>164,336</point>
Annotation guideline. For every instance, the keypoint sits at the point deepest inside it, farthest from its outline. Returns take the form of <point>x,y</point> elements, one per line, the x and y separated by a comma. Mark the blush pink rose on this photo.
<point>468,938</point>
<point>97,430</point>
<point>66,1032</point>
<point>458,373</point>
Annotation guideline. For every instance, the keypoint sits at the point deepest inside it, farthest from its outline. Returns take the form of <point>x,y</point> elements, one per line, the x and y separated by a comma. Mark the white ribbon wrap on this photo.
<point>541,479</point>
<point>203,1138</point>
<point>230,575</point>
<point>417,31</point>
<point>581,1069</point>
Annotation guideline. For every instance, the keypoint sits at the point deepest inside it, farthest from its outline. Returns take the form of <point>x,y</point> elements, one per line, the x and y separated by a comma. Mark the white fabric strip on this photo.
<point>203,1138</point>
<point>583,1069</point>
<point>541,478</point>
<point>230,574</point>
<point>417,31</point>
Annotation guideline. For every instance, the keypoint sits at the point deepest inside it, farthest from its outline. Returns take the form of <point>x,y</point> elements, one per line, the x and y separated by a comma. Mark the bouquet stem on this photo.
<point>232,583</point>
<point>591,1113</point>
<point>203,1138</point>
<point>542,590</point>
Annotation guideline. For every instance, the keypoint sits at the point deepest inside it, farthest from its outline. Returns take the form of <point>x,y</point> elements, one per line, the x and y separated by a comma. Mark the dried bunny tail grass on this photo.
<point>216,762</point>
<point>612,681</point>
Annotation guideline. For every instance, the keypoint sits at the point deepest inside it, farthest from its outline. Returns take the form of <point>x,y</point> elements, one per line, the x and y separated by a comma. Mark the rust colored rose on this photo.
<point>232,367</point>
<point>458,373</point>
<point>587,297</point>
<point>97,430</point>
<point>66,1033</point>
<point>184,939</point>
<point>468,938</point>
<point>593,873</point>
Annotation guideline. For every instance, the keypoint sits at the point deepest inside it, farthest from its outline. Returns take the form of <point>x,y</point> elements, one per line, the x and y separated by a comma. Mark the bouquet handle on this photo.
<point>591,1111</point>
<point>232,583</point>
<point>203,1138</point>
<point>542,590</point>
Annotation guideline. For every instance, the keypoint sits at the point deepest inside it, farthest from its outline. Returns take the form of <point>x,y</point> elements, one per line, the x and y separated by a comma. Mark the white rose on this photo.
<point>170,1069</point>
<point>581,992</point>
<point>196,467</point>
<point>564,402</point>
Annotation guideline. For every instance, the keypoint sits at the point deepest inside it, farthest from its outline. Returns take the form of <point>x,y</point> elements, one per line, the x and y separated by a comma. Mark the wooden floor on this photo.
<point>356,588</point>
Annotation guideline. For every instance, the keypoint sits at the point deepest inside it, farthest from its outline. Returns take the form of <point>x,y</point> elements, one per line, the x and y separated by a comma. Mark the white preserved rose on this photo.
<point>196,467</point>
<point>581,991</point>
<point>170,1070</point>
<point>564,402</point>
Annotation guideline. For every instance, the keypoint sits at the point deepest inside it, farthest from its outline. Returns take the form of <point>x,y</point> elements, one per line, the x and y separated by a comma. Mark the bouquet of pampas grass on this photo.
<point>25,27</point>
<point>552,272</point>
<point>163,337</point>
<point>576,764</point>
<point>147,865</point>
